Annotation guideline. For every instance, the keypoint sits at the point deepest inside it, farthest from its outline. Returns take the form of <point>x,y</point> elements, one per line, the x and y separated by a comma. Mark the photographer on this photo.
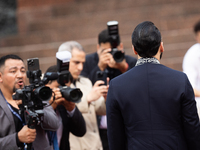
<point>103,60</point>
<point>70,117</point>
<point>92,102</point>
<point>191,67</point>
<point>13,132</point>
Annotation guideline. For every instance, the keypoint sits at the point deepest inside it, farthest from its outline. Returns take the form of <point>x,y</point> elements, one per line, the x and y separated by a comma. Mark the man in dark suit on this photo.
<point>13,130</point>
<point>103,61</point>
<point>71,119</point>
<point>151,107</point>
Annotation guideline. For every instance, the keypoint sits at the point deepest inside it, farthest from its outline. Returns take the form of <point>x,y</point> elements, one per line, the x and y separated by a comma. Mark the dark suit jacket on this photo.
<point>91,66</point>
<point>75,125</point>
<point>152,107</point>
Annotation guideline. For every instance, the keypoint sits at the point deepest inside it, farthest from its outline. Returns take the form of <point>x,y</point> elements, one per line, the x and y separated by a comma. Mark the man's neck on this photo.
<point>156,56</point>
<point>7,94</point>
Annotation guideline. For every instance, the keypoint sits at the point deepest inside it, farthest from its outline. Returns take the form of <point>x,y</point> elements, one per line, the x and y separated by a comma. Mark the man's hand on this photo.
<point>97,91</point>
<point>27,135</point>
<point>104,58</point>
<point>58,98</point>
<point>18,102</point>
<point>68,105</point>
<point>122,66</point>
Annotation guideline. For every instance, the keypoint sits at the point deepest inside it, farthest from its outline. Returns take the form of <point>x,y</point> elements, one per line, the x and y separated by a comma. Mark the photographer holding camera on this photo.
<point>70,117</point>
<point>104,59</point>
<point>107,60</point>
<point>92,102</point>
<point>14,132</point>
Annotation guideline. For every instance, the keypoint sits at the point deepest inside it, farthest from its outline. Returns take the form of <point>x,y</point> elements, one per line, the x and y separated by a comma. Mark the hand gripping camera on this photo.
<point>64,76</point>
<point>115,40</point>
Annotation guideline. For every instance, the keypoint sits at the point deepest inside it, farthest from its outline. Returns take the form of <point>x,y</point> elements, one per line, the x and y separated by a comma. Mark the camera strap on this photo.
<point>13,112</point>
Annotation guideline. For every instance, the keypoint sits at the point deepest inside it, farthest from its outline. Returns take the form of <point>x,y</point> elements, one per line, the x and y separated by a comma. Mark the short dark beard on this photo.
<point>15,89</point>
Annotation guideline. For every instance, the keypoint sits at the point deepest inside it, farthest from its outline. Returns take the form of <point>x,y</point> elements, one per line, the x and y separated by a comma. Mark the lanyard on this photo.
<point>16,114</point>
<point>51,135</point>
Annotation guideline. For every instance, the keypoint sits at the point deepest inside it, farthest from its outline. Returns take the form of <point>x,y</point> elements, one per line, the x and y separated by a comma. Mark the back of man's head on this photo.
<point>104,37</point>
<point>69,46</point>
<point>197,27</point>
<point>6,57</point>
<point>146,39</point>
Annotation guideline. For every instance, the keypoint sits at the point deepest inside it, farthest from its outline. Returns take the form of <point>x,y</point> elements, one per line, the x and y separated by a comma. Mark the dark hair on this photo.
<point>197,27</point>
<point>104,37</point>
<point>6,57</point>
<point>52,69</point>
<point>146,39</point>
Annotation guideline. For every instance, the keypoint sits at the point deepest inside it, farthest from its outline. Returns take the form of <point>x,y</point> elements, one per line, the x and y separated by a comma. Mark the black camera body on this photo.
<point>102,75</point>
<point>33,95</point>
<point>64,76</point>
<point>115,41</point>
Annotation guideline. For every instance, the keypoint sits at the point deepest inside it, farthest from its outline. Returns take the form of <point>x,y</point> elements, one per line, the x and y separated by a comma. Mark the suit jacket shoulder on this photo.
<point>7,127</point>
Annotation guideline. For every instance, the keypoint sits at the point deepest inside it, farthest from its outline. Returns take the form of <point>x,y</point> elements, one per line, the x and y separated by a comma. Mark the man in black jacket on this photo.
<point>151,107</point>
<point>71,119</point>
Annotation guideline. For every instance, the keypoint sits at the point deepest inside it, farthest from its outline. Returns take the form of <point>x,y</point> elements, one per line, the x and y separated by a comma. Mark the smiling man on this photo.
<point>13,132</point>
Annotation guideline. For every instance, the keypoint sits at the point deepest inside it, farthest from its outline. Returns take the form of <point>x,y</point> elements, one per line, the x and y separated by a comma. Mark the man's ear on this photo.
<point>1,77</point>
<point>161,47</point>
<point>121,46</point>
<point>134,50</point>
<point>98,49</point>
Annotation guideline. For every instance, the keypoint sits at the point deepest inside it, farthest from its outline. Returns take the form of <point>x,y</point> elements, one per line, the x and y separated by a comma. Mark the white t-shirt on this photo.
<point>191,66</point>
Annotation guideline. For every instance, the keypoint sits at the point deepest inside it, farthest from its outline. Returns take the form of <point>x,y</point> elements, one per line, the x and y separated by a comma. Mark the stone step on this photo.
<point>172,57</point>
<point>168,37</point>
<point>86,23</point>
<point>85,32</point>
<point>44,27</point>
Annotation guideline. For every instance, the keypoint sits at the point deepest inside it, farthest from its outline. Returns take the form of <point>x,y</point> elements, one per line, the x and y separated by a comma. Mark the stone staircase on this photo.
<point>42,28</point>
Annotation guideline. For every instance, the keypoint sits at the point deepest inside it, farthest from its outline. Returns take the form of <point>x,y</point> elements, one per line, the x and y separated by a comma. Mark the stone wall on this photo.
<point>44,25</point>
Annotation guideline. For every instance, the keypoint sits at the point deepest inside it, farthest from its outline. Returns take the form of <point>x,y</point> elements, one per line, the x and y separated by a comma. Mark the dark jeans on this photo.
<point>104,138</point>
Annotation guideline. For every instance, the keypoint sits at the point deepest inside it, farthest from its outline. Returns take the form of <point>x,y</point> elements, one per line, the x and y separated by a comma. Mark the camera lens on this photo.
<point>75,95</point>
<point>118,56</point>
<point>43,93</point>
<point>71,94</point>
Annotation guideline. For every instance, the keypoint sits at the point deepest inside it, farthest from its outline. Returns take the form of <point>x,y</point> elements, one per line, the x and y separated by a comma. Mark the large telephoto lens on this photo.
<point>71,94</point>
<point>43,93</point>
